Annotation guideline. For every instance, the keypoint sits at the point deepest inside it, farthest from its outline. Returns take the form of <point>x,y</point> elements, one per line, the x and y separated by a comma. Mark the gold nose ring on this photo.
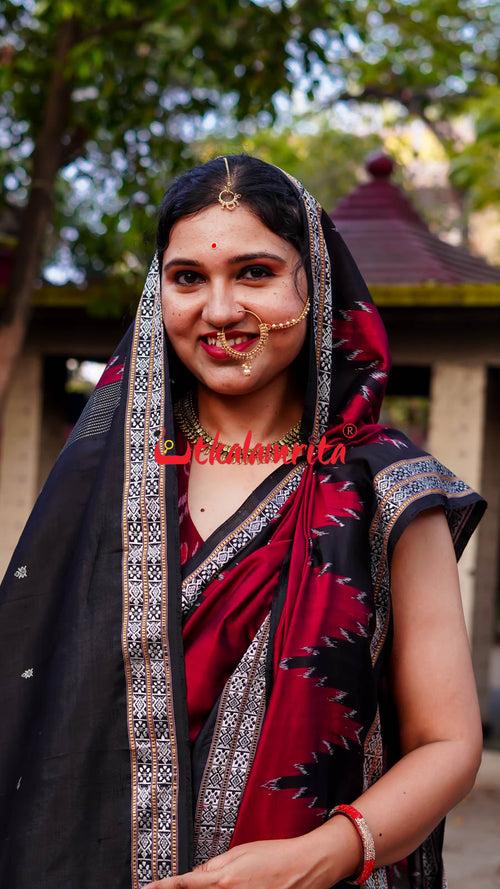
<point>245,356</point>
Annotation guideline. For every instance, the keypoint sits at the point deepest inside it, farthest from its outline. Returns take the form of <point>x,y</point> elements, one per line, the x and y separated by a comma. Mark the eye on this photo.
<point>249,268</point>
<point>260,268</point>
<point>184,283</point>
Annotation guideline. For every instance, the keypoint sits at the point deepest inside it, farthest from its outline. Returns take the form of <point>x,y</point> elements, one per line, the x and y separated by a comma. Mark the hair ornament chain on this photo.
<point>231,202</point>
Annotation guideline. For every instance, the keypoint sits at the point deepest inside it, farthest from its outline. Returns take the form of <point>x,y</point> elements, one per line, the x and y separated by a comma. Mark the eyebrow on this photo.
<point>243,257</point>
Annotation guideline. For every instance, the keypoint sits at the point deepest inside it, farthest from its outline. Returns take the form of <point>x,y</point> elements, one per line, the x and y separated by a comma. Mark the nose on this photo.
<point>221,309</point>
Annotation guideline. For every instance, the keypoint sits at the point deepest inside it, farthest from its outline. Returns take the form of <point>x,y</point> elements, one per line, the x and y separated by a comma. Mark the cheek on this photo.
<point>284,299</point>
<point>285,291</point>
<point>175,318</point>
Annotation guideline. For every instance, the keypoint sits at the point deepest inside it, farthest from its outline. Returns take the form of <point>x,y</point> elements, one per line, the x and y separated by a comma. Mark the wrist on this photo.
<point>336,851</point>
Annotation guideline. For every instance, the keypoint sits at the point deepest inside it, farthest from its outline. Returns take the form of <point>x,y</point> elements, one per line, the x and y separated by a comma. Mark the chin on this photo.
<point>231,381</point>
<point>232,385</point>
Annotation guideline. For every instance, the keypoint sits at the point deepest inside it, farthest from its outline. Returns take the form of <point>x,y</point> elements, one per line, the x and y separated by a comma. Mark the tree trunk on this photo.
<point>16,306</point>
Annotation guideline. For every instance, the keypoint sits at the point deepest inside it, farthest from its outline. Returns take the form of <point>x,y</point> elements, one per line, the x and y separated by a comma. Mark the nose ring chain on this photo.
<point>247,357</point>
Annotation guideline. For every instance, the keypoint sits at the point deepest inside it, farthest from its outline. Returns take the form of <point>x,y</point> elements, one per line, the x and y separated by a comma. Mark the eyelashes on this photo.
<point>261,268</point>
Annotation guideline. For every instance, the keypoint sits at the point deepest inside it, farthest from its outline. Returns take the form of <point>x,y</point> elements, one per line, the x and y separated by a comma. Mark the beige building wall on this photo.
<point>19,453</point>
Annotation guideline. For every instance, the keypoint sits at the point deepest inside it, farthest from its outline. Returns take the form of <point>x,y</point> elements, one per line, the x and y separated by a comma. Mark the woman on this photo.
<point>200,661</point>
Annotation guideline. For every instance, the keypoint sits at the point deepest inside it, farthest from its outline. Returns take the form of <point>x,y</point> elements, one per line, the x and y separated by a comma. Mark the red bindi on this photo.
<point>214,245</point>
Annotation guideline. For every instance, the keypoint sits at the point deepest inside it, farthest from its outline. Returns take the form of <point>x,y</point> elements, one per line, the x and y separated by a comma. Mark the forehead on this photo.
<point>227,228</point>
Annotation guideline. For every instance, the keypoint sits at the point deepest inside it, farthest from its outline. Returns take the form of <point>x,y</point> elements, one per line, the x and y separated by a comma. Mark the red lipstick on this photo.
<point>218,352</point>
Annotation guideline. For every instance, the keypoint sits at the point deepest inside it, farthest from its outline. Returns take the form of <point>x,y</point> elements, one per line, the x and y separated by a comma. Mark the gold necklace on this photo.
<point>187,418</point>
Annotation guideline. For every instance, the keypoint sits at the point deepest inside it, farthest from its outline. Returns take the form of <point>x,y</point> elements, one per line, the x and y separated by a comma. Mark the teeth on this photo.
<point>212,341</point>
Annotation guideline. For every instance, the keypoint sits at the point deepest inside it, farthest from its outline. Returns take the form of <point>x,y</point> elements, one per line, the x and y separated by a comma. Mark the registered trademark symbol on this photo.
<point>349,430</point>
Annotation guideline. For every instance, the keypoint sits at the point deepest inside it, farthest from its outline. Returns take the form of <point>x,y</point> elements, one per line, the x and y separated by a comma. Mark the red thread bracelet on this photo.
<point>366,838</point>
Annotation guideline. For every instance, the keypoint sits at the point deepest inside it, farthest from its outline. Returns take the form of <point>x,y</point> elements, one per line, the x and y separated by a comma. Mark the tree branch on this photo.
<point>117,25</point>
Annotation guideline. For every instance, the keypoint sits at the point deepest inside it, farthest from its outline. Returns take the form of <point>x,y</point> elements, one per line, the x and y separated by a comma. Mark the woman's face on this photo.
<point>214,267</point>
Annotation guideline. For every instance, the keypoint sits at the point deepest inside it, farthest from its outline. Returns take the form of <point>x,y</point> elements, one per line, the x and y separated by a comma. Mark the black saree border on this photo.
<point>240,714</point>
<point>182,816</point>
<point>321,329</point>
<point>277,606</point>
<point>397,487</point>
<point>125,617</point>
<point>161,838</point>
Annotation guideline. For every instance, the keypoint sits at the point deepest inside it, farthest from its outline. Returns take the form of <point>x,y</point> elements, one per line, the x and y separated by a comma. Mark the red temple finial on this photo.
<point>379,164</point>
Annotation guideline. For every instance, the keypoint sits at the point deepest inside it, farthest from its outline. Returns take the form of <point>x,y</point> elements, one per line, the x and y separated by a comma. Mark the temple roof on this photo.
<point>391,242</point>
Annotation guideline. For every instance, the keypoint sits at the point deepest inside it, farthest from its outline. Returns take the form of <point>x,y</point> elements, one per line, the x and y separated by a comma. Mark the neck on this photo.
<point>268,413</point>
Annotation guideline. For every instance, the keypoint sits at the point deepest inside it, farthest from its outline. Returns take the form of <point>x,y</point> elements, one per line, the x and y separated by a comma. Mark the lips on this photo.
<point>219,352</point>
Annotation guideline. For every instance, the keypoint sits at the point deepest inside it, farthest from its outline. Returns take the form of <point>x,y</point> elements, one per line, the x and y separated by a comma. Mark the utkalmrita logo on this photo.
<point>269,453</point>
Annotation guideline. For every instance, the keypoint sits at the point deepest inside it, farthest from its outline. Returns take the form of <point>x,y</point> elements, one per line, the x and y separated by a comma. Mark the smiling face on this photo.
<point>217,265</point>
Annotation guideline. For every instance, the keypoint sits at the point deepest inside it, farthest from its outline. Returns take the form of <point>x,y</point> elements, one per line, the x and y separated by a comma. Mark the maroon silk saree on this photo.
<point>296,680</point>
<point>158,710</point>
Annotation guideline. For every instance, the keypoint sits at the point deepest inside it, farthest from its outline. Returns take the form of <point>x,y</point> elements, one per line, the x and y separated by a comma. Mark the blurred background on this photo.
<point>387,110</point>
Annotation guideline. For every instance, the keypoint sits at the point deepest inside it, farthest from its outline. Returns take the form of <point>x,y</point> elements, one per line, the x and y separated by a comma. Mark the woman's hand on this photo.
<point>265,864</point>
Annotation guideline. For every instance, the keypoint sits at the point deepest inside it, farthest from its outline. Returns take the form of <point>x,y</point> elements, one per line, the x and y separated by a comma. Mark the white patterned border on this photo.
<point>145,642</point>
<point>239,720</point>
<point>396,487</point>
<point>372,771</point>
<point>322,305</point>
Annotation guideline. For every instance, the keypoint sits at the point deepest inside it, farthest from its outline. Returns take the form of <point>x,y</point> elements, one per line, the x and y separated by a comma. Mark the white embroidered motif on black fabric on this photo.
<point>21,572</point>
<point>323,325</point>
<point>372,771</point>
<point>152,725</point>
<point>97,415</point>
<point>322,292</point>
<point>27,674</point>
<point>239,721</point>
<point>396,487</point>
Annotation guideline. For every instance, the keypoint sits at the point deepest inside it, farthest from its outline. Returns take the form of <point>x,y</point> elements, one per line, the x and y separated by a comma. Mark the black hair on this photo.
<point>264,189</point>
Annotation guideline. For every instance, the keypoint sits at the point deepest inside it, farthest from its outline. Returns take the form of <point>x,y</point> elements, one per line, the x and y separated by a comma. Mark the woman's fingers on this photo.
<point>201,878</point>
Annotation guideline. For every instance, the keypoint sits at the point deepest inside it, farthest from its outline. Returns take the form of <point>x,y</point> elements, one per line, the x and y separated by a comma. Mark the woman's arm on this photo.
<point>435,692</point>
<point>441,736</point>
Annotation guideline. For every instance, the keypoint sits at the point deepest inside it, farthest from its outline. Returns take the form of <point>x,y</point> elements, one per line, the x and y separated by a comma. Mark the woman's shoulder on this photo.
<point>401,479</point>
<point>406,479</point>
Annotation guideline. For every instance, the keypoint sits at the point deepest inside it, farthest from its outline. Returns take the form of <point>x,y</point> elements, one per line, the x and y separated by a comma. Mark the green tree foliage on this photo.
<point>140,85</point>
<point>476,168</point>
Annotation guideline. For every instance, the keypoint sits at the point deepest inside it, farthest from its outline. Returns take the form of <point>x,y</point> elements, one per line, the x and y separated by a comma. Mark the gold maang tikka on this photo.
<point>232,199</point>
<point>246,357</point>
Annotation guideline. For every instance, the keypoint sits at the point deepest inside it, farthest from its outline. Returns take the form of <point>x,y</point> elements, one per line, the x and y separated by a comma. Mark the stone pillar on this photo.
<point>488,564</point>
<point>457,437</point>
<point>19,453</point>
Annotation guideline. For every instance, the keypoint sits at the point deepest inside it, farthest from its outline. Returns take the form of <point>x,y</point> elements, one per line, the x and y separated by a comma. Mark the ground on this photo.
<point>472,841</point>
<point>472,835</point>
